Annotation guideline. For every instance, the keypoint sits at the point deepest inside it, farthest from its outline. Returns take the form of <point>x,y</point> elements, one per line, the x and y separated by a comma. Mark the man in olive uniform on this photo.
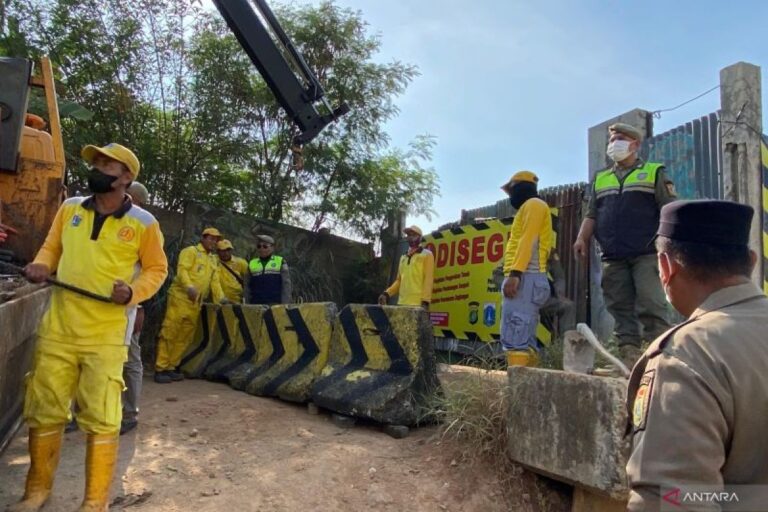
<point>698,397</point>
<point>623,214</point>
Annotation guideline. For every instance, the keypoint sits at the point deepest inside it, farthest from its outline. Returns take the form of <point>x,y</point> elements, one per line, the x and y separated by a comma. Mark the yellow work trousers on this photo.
<point>93,374</point>
<point>177,331</point>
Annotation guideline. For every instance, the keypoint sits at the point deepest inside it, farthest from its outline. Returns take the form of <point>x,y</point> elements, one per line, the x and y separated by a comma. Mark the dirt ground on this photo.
<point>203,446</point>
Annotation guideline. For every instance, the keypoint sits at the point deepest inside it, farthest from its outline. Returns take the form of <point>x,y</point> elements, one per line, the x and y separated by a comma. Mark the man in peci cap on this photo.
<point>269,279</point>
<point>525,288</point>
<point>623,214</point>
<point>233,272</point>
<point>697,397</point>
<point>197,275</point>
<point>105,244</point>
<point>415,273</point>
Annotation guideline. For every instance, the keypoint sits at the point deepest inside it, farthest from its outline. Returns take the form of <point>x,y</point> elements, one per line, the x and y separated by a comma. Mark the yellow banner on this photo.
<point>466,303</point>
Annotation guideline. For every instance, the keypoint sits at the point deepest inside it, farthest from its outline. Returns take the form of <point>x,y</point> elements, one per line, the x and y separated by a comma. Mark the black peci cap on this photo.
<point>706,222</point>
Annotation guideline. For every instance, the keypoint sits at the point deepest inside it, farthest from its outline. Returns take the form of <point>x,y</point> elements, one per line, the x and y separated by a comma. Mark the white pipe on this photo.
<point>585,331</point>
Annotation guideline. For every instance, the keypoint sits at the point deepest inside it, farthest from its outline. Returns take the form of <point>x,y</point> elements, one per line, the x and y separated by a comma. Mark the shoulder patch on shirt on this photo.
<point>642,400</point>
<point>74,200</point>
<point>141,215</point>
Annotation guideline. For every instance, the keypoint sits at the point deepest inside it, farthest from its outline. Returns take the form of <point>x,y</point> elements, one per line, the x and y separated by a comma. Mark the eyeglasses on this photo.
<point>263,246</point>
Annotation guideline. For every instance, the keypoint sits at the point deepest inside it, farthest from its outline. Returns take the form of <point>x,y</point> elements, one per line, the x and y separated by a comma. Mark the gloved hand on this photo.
<point>224,301</point>
<point>192,293</point>
<point>425,305</point>
<point>383,298</point>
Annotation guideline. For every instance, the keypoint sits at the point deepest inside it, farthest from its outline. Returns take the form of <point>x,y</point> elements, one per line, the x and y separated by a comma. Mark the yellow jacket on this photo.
<point>128,246</point>
<point>414,278</point>
<point>531,238</point>
<point>233,290</point>
<point>200,269</point>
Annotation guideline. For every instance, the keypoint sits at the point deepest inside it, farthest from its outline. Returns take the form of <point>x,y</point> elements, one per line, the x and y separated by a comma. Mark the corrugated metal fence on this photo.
<point>692,155</point>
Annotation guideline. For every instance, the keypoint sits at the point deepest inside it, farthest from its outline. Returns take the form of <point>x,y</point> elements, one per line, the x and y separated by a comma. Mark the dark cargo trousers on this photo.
<point>634,297</point>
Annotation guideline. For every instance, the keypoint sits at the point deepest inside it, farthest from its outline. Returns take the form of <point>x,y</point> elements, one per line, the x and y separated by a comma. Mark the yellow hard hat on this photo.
<point>223,245</point>
<point>212,232</point>
<point>116,152</point>
<point>519,176</point>
<point>413,229</point>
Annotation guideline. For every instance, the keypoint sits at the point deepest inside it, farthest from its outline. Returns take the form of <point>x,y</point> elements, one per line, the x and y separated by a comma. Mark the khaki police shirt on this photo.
<point>698,400</point>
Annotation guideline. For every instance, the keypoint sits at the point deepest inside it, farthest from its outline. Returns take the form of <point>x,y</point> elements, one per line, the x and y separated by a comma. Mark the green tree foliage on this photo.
<point>167,78</point>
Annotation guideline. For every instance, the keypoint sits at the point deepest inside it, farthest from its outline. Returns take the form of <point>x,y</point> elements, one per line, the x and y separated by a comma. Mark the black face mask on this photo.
<point>100,183</point>
<point>521,192</point>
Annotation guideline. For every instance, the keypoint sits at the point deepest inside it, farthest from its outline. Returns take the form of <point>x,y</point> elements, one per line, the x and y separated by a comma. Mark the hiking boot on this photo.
<point>163,378</point>
<point>175,376</point>
<point>629,354</point>
<point>127,425</point>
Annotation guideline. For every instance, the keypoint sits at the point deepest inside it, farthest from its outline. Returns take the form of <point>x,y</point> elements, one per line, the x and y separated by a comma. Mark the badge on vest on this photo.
<point>76,220</point>
<point>642,176</point>
<point>642,400</point>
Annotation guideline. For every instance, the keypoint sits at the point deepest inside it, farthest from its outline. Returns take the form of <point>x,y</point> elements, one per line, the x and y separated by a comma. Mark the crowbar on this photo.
<point>56,282</point>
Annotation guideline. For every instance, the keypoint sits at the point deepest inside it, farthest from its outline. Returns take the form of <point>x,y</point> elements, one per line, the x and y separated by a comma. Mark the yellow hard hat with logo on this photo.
<point>116,152</point>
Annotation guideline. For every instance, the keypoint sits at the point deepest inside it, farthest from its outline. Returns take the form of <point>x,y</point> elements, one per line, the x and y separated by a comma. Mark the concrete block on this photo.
<point>381,365</point>
<point>19,319</point>
<point>578,354</point>
<point>570,427</point>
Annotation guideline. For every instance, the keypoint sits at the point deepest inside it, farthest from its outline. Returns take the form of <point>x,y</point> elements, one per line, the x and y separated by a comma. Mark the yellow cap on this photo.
<point>413,229</point>
<point>116,152</point>
<point>212,232</point>
<point>518,177</point>
<point>223,245</point>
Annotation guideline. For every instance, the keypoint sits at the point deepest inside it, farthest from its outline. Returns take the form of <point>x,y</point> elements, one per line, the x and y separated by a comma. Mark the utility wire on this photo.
<point>657,113</point>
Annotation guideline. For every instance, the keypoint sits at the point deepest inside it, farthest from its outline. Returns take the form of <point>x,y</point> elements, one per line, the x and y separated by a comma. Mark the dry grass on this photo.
<point>473,412</point>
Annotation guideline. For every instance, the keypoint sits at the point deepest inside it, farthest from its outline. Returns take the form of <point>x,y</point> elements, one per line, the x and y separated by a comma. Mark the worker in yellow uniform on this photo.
<point>232,273</point>
<point>414,275</point>
<point>197,275</point>
<point>106,245</point>
<point>525,288</point>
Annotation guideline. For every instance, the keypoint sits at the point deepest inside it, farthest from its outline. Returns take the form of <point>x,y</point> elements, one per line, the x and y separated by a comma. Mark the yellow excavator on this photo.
<point>31,157</point>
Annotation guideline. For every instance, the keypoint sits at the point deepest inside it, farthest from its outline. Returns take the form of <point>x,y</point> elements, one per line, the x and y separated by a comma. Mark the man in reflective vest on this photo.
<point>414,282</point>
<point>623,214</point>
<point>269,279</point>
<point>233,272</point>
<point>197,275</point>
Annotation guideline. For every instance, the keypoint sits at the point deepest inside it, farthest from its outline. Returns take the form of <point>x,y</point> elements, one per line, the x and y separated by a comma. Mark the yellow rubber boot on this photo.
<point>44,451</point>
<point>533,360</point>
<point>518,358</point>
<point>100,460</point>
